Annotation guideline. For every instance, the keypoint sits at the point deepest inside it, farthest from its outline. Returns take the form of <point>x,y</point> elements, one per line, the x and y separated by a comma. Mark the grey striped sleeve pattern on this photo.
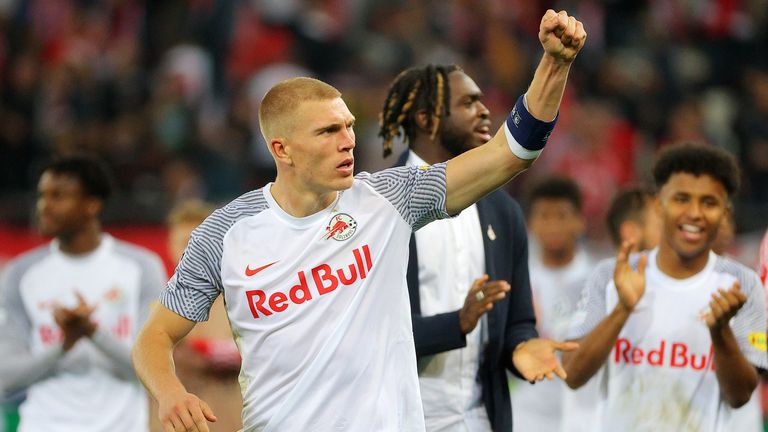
<point>417,193</point>
<point>197,280</point>
<point>751,318</point>
<point>590,309</point>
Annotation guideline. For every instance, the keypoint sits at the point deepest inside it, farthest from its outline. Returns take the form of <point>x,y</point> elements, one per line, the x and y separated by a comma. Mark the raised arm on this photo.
<point>735,375</point>
<point>153,360</point>
<point>582,364</point>
<point>516,145</point>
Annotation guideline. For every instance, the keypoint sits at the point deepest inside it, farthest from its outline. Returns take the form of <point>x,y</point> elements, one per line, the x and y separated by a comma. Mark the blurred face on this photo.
<point>178,237</point>
<point>651,231</point>
<point>62,207</point>
<point>557,225</point>
<point>469,124</point>
<point>691,209</point>
<point>320,145</point>
<point>726,235</point>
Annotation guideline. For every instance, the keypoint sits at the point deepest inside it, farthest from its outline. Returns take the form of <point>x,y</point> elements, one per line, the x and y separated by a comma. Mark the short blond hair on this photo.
<point>191,211</point>
<point>281,101</point>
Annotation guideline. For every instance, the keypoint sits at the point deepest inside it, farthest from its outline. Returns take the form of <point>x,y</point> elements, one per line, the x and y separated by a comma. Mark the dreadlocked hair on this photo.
<point>415,89</point>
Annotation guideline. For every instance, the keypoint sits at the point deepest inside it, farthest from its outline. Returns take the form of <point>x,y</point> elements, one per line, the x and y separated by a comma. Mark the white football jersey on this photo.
<point>92,387</point>
<point>660,374</point>
<point>556,292</point>
<point>318,305</point>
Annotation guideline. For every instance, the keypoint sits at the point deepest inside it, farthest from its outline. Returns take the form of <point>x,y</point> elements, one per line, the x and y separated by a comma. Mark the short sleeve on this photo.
<point>417,192</point>
<point>591,307</point>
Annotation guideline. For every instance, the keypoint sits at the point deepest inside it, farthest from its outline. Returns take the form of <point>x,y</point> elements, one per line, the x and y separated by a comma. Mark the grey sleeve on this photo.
<point>749,324</point>
<point>19,367</point>
<point>197,280</point>
<point>418,193</point>
<point>152,281</point>
<point>591,308</point>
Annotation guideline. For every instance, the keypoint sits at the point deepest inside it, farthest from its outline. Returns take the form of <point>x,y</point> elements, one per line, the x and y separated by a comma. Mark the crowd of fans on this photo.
<point>167,92</point>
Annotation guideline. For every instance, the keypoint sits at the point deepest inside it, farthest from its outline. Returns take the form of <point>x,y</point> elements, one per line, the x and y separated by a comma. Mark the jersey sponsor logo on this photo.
<point>758,340</point>
<point>51,334</point>
<point>324,278</point>
<point>251,272</point>
<point>114,294</point>
<point>340,227</point>
<point>667,354</point>
<point>46,305</point>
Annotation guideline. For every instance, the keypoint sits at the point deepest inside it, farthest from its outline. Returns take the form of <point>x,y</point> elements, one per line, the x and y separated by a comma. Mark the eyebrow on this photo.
<point>476,96</point>
<point>333,127</point>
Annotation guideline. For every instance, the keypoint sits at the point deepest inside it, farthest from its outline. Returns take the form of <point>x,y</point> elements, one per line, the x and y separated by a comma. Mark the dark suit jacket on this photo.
<point>510,322</point>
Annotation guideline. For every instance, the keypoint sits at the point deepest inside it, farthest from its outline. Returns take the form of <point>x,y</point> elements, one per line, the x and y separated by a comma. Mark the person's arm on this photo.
<point>153,360</point>
<point>477,172</point>
<point>736,377</point>
<point>153,278</point>
<point>186,300</point>
<point>447,331</point>
<point>19,366</point>
<point>582,364</point>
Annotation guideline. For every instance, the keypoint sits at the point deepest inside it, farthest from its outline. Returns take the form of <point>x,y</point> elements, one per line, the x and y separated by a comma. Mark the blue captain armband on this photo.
<point>526,135</point>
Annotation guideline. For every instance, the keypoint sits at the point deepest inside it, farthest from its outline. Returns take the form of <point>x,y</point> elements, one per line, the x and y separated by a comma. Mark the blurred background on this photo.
<point>167,92</point>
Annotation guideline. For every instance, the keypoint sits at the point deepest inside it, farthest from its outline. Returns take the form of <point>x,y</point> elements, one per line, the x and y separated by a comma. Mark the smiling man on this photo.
<point>324,325</point>
<point>467,276</point>
<point>682,329</point>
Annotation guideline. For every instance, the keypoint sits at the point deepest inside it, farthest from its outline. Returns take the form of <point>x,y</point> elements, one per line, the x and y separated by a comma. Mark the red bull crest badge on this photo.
<point>340,227</point>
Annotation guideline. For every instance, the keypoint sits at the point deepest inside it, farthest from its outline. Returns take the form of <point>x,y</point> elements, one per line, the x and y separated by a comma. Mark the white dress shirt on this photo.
<point>450,255</point>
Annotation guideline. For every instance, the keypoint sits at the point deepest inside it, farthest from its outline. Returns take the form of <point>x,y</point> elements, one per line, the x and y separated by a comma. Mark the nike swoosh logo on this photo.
<point>250,272</point>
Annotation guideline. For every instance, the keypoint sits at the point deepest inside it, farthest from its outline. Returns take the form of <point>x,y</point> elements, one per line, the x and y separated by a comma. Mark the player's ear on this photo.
<point>94,206</point>
<point>281,150</point>
<point>423,121</point>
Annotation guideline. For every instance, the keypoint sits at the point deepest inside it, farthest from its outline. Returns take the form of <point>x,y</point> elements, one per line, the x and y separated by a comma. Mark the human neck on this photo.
<point>297,202</point>
<point>429,151</point>
<point>557,259</point>
<point>83,241</point>
<point>675,266</point>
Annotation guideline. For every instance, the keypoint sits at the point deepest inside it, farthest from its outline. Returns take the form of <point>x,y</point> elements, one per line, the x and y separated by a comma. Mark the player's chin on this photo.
<point>688,251</point>
<point>344,183</point>
<point>47,228</point>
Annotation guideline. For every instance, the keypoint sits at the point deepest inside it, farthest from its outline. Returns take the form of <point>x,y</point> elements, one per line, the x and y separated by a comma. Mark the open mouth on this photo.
<point>691,232</point>
<point>346,166</point>
<point>484,132</point>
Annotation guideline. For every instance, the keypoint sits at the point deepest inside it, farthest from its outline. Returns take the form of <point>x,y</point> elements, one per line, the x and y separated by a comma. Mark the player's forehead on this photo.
<point>550,205</point>
<point>52,180</point>
<point>462,85</point>
<point>312,114</point>
<point>692,184</point>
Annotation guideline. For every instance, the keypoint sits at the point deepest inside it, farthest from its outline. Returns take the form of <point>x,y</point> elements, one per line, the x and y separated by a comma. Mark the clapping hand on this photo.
<point>630,284</point>
<point>75,322</point>
<point>724,305</point>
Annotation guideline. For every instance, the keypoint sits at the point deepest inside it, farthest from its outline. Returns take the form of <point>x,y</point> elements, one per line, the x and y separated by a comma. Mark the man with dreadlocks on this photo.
<point>468,279</point>
<point>312,267</point>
